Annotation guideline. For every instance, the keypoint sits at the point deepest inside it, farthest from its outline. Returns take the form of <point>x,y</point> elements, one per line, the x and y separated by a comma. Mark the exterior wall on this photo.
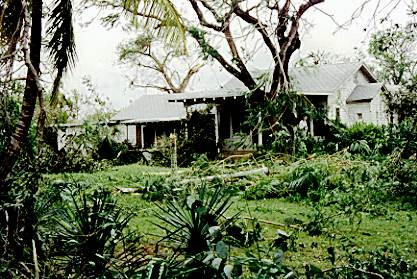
<point>360,78</point>
<point>362,108</point>
<point>338,100</point>
<point>372,112</point>
<point>126,133</point>
<point>379,108</point>
<point>66,134</point>
<point>123,132</point>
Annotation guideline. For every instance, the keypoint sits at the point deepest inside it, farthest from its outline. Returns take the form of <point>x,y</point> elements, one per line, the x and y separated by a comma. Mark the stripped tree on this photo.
<point>277,23</point>
<point>157,66</point>
<point>21,39</point>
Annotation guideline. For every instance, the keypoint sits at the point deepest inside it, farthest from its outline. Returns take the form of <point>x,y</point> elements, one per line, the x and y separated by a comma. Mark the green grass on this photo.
<point>398,229</point>
<point>121,176</point>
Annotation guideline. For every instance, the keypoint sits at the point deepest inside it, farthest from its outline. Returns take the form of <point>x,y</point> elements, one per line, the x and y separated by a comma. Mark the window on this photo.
<point>360,116</point>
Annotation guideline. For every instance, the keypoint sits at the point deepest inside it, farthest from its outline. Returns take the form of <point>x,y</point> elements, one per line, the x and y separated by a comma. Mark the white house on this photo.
<point>349,91</point>
<point>148,118</point>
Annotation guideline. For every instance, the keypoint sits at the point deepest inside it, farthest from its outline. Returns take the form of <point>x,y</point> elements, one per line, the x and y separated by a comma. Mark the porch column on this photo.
<point>142,137</point>
<point>311,127</point>
<point>260,139</point>
<point>230,124</point>
<point>187,113</point>
<point>216,125</point>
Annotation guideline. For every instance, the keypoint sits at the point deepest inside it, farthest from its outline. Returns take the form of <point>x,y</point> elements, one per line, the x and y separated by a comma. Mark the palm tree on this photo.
<point>161,17</point>
<point>21,30</point>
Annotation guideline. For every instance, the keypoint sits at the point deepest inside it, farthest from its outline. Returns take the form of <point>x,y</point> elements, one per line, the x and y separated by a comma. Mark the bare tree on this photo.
<point>172,70</point>
<point>276,23</point>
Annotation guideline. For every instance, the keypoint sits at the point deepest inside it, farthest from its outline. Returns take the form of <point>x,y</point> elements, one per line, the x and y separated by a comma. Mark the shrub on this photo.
<point>86,237</point>
<point>193,224</point>
<point>359,263</point>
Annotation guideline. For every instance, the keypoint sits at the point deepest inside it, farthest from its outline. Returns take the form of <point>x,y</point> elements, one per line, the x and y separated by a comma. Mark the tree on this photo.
<point>276,23</point>
<point>323,58</point>
<point>173,70</point>
<point>27,27</point>
<point>21,39</point>
<point>395,54</point>
<point>19,26</point>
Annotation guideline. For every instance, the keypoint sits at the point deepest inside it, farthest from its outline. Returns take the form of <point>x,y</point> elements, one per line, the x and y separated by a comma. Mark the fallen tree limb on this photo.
<point>260,171</point>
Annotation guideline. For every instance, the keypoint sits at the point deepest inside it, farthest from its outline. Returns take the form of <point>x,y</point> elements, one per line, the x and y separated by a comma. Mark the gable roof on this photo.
<point>151,108</point>
<point>322,79</point>
<point>315,80</point>
<point>364,92</point>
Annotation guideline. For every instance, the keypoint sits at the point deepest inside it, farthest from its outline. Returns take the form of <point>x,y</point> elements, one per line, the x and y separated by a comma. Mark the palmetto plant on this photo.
<point>90,238</point>
<point>194,225</point>
<point>21,35</point>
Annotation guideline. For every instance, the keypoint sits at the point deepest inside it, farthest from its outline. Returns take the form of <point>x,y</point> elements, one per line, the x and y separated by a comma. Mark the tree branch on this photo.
<point>191,72</point>
<point>201,17</point>
<point>105,3</point>
<point>261,28</point>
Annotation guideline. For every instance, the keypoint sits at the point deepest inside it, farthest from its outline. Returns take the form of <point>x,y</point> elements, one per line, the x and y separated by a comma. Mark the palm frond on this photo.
<point>11,23</point>
<point>10,18</point>
<point>160,17</point>
<point>61,45</point>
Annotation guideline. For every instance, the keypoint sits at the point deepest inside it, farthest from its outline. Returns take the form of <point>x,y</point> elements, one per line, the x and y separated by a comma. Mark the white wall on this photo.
<point>338,100</point>
<point>123,132</point>
<point>372,112</point>
<point>379,107</point>
<point>363,108</point>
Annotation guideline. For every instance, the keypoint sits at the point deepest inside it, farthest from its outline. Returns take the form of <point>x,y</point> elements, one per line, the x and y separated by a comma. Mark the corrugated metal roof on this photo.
<point>210,94</point>
<point>323,79</point>
<point>364,92</point>
<point>151,108</point>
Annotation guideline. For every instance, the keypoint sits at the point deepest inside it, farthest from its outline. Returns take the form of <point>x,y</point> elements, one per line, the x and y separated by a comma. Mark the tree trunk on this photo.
<point>19,136</point>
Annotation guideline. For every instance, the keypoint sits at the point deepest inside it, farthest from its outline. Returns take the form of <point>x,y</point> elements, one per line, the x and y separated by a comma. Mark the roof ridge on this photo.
<point>360,65</point>
<point>329,64</point>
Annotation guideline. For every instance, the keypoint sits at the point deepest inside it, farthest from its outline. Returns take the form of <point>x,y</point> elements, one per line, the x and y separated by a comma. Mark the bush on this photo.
<point>362,264</point>
<point>86,236</point>
<point>360,138</point>
<point>399,179</point>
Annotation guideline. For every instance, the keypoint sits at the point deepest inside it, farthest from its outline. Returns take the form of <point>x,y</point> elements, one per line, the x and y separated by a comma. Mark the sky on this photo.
<point>97,48</point>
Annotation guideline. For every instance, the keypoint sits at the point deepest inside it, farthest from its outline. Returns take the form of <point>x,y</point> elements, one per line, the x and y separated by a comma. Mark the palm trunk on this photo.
<point>19,136</point>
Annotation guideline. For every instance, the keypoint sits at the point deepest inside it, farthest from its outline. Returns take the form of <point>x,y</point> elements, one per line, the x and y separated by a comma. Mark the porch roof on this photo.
<point>216,94</point>
<point>313,81</point>
<point>365,92</point>
<point>151,108</point>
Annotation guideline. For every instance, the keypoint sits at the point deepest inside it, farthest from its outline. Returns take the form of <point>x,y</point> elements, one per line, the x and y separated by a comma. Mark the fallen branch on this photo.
<point>260,171</point>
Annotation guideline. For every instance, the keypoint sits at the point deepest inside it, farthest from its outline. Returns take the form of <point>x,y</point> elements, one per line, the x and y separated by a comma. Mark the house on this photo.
<point>140,124</point>
<point>148,118</point>
<point>349,91</point>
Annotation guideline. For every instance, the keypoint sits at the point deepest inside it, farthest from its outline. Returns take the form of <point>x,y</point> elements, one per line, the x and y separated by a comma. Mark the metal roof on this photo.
<point>209,94</point>
<point>324,78</point>
<point>315,80</point>
<point>151,108</point>
<point>364,92</point>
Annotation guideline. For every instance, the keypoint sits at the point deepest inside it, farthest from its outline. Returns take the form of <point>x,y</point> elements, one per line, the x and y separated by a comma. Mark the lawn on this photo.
<point>396,229</point>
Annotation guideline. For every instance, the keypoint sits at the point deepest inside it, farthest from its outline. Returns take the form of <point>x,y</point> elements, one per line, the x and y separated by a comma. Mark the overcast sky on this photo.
<point>97,57</point>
